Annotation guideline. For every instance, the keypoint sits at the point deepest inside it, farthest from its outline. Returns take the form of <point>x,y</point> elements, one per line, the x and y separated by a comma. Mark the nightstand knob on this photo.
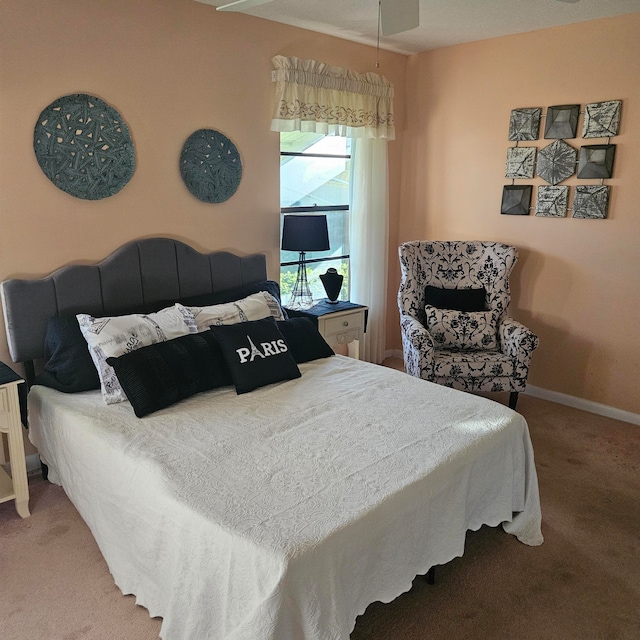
<point>345,323</point>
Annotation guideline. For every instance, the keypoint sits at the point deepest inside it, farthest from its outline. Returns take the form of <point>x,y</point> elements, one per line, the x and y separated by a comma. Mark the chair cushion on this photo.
<point>469,330</point>
<point>471,364</point>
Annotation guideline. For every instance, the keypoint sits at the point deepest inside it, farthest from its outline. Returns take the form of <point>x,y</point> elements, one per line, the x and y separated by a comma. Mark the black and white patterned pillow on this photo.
<point>112,336</point>
<point>469,330</point>
<point>254,307</point>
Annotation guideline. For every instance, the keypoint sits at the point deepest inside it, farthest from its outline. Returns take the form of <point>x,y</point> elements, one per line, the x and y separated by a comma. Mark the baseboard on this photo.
<point>585,405</point>
<point>33,464</point>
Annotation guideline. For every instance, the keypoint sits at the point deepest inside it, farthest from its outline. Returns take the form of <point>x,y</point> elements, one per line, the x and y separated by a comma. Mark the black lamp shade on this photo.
<point>305,233</point>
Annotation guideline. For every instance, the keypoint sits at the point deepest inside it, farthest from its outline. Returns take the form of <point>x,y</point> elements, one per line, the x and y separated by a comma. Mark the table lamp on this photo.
<point>303,233</point>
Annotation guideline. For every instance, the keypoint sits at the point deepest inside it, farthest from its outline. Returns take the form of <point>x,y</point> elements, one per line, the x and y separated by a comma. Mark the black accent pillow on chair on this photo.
<point>456,299</point>
<point>256,353</point>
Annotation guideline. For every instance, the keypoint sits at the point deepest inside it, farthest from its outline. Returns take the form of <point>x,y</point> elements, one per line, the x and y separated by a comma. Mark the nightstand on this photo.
<point>339,323</point>
<point>14,487</point>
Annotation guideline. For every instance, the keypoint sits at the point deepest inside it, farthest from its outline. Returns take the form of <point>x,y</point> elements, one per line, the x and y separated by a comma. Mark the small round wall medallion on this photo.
<point>84,147</point>
<point>210,166</point>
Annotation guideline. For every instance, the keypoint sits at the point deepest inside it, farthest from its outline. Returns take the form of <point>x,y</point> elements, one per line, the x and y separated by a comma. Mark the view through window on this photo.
<point>314,178</point>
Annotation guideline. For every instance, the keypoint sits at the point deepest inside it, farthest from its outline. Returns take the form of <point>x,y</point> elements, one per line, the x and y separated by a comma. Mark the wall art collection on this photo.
<point>84,147</point>
<point>560,160</point>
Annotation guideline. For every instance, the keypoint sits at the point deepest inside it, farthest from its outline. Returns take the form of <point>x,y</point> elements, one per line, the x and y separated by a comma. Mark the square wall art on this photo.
<point>516,200</point>
<point>596,161</point>
<point>591,202</point>
<point>562,121</point>
<point>524,124</point>
<point>552,201</point>
<point>520,162</point>
<point>601,119</point>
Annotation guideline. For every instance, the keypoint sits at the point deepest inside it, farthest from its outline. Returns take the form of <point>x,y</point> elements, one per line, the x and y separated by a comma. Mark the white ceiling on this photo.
<point>442,22</point>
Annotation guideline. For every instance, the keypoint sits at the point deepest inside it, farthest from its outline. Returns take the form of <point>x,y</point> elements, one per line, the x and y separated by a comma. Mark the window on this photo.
<point>315,171</point>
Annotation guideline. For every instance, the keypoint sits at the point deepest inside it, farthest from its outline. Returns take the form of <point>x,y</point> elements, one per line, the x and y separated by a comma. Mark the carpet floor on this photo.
<point>583,583</point>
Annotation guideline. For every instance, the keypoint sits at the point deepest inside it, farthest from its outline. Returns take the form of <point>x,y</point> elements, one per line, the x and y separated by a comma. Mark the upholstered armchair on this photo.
<point>468,350</point>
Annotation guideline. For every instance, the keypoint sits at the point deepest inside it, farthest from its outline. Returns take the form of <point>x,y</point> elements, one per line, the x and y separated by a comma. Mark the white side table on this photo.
<point>14,487</point>
<point>340,323</point>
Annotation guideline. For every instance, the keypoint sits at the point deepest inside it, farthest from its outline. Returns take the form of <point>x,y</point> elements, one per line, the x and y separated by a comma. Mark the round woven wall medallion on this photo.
<point>210,166</point>
<point>84,147</point>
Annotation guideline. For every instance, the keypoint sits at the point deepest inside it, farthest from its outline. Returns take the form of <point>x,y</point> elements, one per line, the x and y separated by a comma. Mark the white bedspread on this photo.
<point>282,513</point>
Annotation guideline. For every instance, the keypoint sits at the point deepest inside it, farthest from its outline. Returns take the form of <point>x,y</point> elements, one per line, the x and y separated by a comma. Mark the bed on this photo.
<point>277,514</point>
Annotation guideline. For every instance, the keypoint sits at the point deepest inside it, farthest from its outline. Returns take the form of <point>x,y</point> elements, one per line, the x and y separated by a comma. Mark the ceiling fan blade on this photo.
<point>397,16</point>
<point>241,5</point>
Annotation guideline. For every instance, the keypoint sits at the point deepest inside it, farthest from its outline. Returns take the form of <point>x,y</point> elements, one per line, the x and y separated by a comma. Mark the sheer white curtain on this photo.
<point>312,96</point>
<point>369,239</point>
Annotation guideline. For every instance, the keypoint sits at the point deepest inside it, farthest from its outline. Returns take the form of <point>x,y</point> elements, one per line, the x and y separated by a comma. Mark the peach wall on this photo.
<point>577,282</point>
<point>175,66</point>
<point>169,68</point>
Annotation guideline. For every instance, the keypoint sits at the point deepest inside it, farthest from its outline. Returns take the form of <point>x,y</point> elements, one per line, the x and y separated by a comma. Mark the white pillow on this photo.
<point>254,307</point>
<point>117,335</point>
<point>471,330</point>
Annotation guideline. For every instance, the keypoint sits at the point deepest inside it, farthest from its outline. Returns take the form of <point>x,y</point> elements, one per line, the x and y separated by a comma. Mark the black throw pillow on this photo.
<point>456,299</point>
<point>304,340</point>
<point>216,297</point>
<point>231,295</point>
<point>159,375</point>
<point>256,352</point>
<point>68,364</point>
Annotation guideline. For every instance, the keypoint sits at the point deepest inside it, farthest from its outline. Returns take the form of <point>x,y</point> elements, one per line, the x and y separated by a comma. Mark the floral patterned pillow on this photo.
<point>470,330</point>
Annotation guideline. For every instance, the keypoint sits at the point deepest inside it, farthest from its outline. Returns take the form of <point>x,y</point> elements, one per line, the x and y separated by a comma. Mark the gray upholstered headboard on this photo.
<point>139,273</point>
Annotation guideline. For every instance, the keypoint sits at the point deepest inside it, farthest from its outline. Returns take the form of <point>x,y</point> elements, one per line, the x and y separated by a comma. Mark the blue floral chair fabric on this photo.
<point>462,265</point>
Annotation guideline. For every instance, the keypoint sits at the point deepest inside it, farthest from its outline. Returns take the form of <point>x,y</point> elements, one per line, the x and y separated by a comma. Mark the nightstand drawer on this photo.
<point>344,323</point>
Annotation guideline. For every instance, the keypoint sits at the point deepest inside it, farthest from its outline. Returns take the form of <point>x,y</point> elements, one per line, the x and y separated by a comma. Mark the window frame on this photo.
<point>315,209</point>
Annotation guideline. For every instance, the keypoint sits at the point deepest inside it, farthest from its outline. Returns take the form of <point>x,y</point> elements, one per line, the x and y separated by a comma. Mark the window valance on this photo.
<point>313,96</point>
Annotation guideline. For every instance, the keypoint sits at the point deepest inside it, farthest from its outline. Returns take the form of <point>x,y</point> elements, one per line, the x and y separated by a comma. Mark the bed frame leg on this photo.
<point>44,469</point>
<point>431,576</point>
<point>513,399</point>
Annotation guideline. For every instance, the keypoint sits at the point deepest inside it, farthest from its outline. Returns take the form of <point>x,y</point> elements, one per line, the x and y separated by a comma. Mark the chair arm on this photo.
<point>517,342</point>
<point>418,347</point>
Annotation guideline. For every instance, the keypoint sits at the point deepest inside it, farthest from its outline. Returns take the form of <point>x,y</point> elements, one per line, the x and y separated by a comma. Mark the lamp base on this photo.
<point>299,304</point>
<point>301,297</point>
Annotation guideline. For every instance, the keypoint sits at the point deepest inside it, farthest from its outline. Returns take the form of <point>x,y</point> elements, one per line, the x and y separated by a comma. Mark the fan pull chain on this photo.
<point>378,41</point>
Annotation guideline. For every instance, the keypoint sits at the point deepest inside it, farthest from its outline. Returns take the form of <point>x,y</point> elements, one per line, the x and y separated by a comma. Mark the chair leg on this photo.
<point>513,399</point>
